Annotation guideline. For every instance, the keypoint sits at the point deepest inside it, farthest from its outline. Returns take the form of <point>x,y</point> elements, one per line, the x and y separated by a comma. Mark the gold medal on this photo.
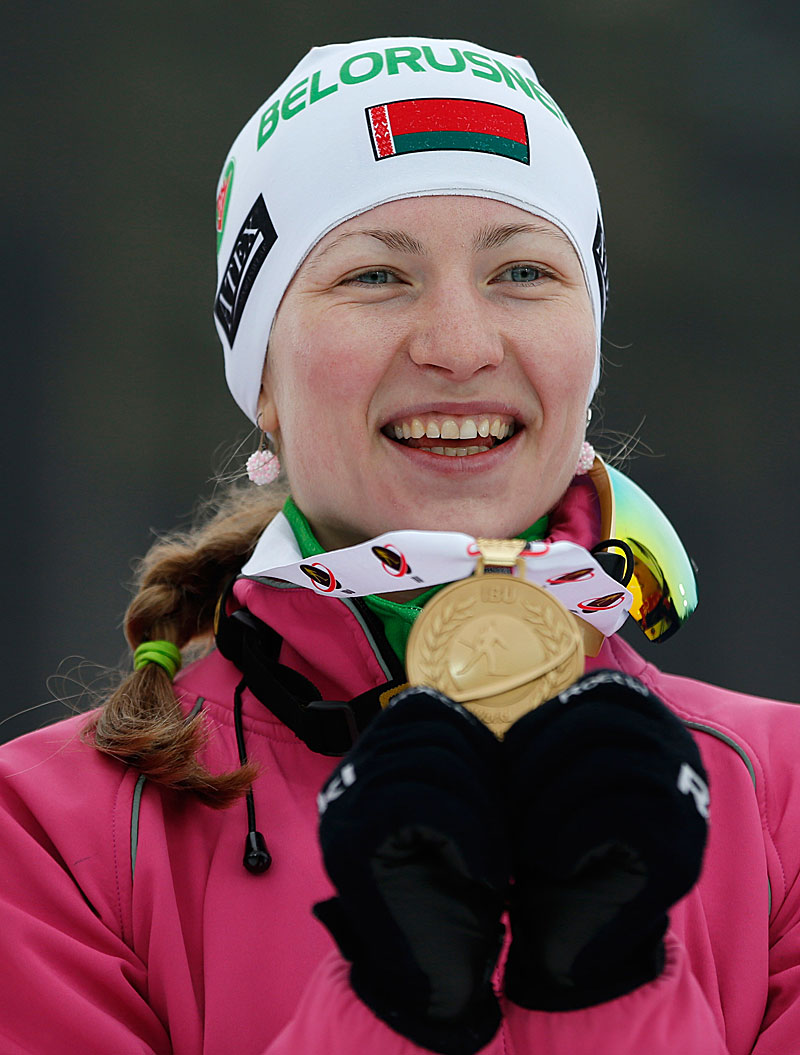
<point>496,643</point>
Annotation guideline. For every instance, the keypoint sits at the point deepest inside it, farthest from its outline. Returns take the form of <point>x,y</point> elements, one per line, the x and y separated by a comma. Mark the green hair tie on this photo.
<point>164,653</point>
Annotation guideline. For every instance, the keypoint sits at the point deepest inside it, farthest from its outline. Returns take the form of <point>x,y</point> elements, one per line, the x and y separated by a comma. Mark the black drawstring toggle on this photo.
<point>257,858</point>
<point>329,727</point>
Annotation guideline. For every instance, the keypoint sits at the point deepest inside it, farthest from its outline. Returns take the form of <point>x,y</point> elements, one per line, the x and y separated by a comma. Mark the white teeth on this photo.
<point>449,429</point>
<point>456,452</point>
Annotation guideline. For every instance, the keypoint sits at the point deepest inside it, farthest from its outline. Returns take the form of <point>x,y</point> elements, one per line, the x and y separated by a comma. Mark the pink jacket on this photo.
<point>130,925</point>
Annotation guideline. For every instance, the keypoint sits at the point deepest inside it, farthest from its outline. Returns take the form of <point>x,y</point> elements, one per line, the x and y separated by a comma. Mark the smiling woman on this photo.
<point>512,854</point>
<point>448,320</point>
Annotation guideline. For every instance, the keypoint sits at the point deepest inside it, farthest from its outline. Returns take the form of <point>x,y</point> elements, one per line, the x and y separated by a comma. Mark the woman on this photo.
<point>412,227</point>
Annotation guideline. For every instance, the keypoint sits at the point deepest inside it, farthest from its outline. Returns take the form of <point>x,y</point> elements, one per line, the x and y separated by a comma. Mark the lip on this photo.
<point>489,461</point>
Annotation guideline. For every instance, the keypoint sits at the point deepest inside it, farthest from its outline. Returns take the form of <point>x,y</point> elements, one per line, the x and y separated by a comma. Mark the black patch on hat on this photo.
<point>255,239</point>
<point>601,263</point>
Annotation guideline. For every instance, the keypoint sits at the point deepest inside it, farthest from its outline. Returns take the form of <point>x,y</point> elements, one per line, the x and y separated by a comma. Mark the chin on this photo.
<point>480,521</point>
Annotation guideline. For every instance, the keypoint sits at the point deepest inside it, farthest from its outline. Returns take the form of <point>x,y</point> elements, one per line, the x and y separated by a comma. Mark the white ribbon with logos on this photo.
<point>409,560</point>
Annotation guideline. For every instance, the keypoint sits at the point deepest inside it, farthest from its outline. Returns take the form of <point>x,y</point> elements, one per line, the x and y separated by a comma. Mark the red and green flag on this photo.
<point>413,125</point>
<point>222,200</point>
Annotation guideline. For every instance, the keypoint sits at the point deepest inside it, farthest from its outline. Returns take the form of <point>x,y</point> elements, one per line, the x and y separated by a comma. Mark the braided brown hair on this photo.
<point>179,583</point>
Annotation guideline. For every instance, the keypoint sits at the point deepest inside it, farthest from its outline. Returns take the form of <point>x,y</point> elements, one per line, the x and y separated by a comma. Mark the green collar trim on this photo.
<point>304,536</point>
<point>397,616</point>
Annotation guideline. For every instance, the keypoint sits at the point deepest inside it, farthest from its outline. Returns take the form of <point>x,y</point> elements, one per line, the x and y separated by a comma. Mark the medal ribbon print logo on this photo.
<point>601,604</point>
<point>410,126</point>
<point>322,578</point>
<point>394,562</point>
<point>572,576</point>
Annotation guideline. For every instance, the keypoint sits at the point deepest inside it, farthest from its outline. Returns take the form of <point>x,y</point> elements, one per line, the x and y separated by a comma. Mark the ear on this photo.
<point>267,410</point>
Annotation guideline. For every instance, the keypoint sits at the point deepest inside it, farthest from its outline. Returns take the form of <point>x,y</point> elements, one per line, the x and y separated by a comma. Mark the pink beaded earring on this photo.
<point>263,466</point>
<point>586,457</point>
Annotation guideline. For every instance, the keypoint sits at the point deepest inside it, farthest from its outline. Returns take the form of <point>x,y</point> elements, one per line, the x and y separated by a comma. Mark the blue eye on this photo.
<point>378,277</point>
<point>525,273</point>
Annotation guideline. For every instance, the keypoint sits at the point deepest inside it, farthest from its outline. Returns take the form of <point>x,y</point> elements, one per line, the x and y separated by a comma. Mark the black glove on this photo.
<point>413,836</point>
<point>608,804</point>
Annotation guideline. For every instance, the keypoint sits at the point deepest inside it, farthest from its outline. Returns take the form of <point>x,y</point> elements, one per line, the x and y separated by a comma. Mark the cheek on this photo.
<point>323,377</point>
<point>561,367</point>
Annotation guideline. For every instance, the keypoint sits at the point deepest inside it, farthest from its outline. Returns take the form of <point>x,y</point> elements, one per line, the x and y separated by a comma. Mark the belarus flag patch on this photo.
<point>413,125</point>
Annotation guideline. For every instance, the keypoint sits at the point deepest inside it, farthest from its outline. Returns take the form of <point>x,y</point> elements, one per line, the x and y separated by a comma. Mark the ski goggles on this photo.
<point>660,574</point>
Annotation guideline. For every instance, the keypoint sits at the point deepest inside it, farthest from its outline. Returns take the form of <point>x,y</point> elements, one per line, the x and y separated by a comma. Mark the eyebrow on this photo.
<point>496,236</point>
<point>491,237</point>
<point>391,239</point>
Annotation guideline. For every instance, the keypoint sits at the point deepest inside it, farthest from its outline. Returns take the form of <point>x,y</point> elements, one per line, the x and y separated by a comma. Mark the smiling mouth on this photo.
<point>450,435</point>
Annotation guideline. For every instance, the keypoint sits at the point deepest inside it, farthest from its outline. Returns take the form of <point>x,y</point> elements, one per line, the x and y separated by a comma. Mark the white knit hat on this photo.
<point>357,125</point>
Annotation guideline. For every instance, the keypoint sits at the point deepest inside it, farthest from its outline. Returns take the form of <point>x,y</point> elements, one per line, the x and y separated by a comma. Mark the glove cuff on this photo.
<point>529,985</point>
<point>465,1035</point>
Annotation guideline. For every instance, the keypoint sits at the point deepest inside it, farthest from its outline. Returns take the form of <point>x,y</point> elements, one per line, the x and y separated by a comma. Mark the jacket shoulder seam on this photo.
<point>118,870</point>
<point>136,800</point>
<point>738,743</point>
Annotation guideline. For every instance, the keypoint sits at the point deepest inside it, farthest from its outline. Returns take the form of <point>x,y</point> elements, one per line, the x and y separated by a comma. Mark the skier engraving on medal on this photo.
<point>498,644</point>
<point>485,646</point>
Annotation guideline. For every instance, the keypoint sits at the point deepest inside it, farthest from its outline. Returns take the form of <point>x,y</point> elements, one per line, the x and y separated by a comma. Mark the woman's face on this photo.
<point>429,368</point>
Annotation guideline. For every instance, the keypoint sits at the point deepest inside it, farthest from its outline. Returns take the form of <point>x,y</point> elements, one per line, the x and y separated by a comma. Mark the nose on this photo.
<point>454,334</point>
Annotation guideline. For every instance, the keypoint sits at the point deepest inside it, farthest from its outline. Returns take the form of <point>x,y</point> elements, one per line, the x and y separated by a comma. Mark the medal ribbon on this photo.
<point>409,560</point>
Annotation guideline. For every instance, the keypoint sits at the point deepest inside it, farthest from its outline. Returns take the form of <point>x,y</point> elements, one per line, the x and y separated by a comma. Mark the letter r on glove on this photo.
<point>691,783</point>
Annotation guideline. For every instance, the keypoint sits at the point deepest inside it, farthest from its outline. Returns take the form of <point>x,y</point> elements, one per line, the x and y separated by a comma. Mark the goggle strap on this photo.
<point>601,481</point>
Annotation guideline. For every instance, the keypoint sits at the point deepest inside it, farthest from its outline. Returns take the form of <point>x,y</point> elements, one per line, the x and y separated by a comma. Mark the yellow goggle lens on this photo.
<point>663,585</point>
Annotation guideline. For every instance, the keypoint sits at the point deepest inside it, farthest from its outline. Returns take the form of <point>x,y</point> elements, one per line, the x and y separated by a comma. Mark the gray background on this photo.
<point>116,416</point>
